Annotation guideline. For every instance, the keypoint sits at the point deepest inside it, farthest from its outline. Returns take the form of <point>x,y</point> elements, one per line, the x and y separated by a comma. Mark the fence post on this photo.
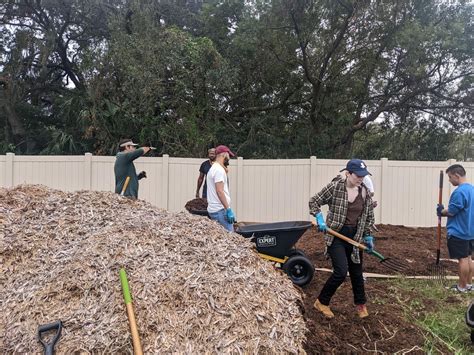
<point>165,180</point>
<point>240,186</point>
<point>87,171</point>
<point>450,187</point>
<point>9,169</point>
<point>384,189</point>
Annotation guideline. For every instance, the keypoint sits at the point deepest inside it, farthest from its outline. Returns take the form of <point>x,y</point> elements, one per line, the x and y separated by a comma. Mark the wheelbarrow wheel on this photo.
<point>299,269</point>
<point>297,252</point>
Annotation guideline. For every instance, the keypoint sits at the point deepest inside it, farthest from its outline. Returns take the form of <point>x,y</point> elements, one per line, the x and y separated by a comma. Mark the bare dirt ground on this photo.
<point>386,330</point>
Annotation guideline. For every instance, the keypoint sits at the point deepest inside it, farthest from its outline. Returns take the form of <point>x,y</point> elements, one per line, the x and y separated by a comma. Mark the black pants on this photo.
<point>340,253</point>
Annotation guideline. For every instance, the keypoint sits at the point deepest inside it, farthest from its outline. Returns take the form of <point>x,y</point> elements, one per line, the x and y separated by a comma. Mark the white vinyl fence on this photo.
<point>262,190</point>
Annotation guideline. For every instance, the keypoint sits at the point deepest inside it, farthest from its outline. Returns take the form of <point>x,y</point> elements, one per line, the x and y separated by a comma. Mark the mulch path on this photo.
<point>386,330</point>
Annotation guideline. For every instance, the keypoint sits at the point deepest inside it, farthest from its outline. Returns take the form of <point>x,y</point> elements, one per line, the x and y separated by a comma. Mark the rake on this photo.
<point>437,270</point>
<point>391,264</point>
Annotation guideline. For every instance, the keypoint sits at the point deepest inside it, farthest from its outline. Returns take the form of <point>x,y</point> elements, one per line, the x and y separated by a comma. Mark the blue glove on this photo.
<point>229,214</point>
<point>369,242</point>
<point>439,208</point>
<point>322,227</point>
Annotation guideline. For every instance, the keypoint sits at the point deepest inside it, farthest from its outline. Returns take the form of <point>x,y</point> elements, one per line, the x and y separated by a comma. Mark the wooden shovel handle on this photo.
<point>125,185</point>
<point>347,239</point>
<point>343,237</point>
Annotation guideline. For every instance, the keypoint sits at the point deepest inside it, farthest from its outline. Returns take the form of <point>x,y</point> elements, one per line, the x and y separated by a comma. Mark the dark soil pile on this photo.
<point>385,330</point>
<point>198,204</point>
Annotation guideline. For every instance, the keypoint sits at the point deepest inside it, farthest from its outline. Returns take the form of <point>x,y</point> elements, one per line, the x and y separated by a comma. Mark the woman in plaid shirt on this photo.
<point>351,213</point>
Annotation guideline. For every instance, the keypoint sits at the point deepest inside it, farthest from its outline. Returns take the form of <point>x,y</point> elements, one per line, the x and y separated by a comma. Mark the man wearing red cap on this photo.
<point>218,196</point>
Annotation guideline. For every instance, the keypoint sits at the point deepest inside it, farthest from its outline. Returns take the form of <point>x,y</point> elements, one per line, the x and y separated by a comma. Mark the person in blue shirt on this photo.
<point>460,225</point>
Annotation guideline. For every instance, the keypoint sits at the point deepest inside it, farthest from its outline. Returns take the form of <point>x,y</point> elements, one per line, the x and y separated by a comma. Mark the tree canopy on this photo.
<point>270,78</point>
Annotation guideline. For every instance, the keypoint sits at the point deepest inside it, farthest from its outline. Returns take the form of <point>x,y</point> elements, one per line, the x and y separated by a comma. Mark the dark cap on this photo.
<point>357,167</point>
<point>224,149</point>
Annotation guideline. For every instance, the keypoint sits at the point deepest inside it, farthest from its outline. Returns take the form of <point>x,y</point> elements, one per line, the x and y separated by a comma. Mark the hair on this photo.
<point>456,169</point>
<point>122,141</point>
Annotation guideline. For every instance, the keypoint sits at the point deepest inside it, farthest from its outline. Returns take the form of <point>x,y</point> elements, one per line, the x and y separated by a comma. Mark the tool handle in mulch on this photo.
<point>125,185</point>
<point>137,346</point>
<point>49,347</point>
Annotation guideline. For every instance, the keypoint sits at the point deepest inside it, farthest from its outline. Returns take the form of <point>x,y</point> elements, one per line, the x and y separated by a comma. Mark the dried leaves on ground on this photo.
<point>196,288</point>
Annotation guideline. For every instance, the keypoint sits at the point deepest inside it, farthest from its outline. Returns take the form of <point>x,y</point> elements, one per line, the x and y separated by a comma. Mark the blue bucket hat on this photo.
<point>357,167</point>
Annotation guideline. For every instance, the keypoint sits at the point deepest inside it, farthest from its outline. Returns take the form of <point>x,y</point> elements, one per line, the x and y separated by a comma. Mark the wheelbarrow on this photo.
<point>276,242</point>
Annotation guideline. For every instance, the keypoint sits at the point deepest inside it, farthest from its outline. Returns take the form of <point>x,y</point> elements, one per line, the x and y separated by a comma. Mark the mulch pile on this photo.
<point>198,204</point>
<point>196,287</point>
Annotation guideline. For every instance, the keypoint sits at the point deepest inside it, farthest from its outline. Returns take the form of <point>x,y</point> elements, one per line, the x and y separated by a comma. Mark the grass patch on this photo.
<point>440,313</point>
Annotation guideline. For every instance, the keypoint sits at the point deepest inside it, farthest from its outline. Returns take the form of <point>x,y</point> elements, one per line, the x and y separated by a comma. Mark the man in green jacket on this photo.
<point>124,167</point>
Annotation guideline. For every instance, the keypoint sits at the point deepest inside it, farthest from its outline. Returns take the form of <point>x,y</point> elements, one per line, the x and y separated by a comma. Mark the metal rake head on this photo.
<point>437,273</point>
<point>394,265</point>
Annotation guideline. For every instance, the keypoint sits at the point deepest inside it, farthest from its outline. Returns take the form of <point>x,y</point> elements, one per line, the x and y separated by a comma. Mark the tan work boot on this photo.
<point>323,309</point>
<point>362,310</point>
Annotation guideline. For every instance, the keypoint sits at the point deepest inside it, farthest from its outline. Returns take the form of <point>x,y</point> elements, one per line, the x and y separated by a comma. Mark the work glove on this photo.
<point>141,175</point>
<point>322,227</point>
<point>229,214</point>
<point>369,242</point>
<point>439,209</point>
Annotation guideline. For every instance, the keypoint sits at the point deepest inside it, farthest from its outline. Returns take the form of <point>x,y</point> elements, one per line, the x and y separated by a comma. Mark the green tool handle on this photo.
<point>125,288</point>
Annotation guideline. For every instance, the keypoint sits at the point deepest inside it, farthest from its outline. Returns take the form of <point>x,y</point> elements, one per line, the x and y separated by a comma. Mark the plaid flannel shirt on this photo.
<point>335,195</point>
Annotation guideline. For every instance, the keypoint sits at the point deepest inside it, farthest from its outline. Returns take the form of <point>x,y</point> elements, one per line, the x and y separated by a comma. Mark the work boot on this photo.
<point>362,311</point>
<point>323,309</point>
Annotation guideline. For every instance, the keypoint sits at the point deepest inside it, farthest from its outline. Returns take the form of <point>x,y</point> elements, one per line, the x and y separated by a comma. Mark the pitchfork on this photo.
<point>437,271</point>
<point>391,264</point>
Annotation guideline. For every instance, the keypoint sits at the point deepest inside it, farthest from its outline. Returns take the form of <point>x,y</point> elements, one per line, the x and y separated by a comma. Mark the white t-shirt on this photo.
<point>216,174</point>
<point>368,182</point>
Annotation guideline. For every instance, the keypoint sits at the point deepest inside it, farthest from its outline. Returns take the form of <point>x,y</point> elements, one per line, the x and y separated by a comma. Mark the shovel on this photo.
<point>125,185</point>
<point>391,264</point>
<point>42,329</point>
<point>437,270</point>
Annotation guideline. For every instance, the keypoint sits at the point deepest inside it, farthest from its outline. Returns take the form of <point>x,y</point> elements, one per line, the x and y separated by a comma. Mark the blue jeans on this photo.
<point>220,217</point>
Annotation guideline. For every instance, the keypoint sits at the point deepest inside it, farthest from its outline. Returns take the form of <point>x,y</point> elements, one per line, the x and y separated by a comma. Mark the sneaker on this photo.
<point>323,309</point>
<point>362,310</point>
<point>456,288</point>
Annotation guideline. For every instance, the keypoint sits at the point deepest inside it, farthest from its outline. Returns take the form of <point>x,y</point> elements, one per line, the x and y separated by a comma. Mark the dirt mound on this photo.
<point>198,204</point>
<point>386,330</point>
<point>196,287</point>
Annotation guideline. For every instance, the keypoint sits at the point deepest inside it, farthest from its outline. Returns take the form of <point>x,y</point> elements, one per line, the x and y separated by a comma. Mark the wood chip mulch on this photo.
<point>196,287</point>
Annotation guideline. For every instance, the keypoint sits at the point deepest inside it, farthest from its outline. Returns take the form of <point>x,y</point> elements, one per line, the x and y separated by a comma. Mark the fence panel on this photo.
<point>275,190</point>
<point>3,170</point>
<point>60,172</point>
<point>261,190</point>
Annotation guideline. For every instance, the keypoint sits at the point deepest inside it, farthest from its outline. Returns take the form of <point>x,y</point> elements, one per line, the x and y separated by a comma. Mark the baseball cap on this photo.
<point>224,149</point>
<point>357,167</point>
<point>126,142</point>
